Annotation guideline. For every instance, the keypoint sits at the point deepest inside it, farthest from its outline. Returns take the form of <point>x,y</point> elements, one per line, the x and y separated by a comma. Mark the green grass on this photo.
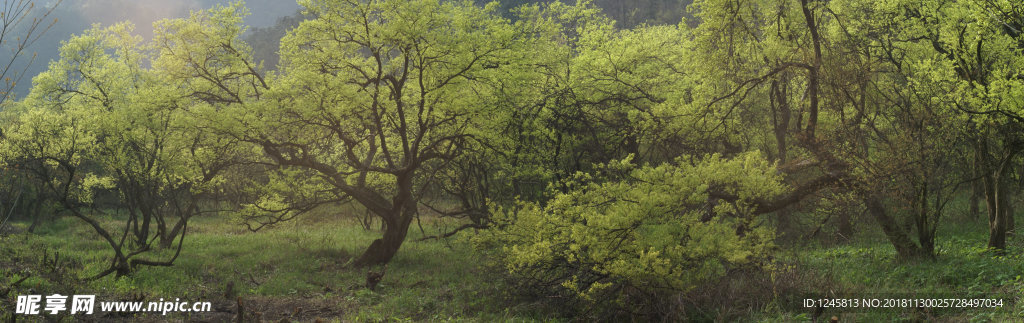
<point>301,264</point>
<point>301,270</point>
<point>962,268</point>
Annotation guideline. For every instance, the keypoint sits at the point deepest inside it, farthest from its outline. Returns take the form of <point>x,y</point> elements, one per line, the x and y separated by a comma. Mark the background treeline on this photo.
<point>270,20</point>
<point>626,14</point>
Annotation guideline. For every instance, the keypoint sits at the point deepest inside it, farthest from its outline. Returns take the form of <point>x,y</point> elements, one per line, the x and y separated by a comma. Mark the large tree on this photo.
<point>374,98</point>
<point>840,95</point>
<point>101,126</point>
<point>980,45</point>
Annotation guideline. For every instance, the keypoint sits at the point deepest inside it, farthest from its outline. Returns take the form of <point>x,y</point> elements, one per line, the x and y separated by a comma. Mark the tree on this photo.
<point>989,84</point>
<point>21,25</point>
<point>20,21</point>
<point>757,82</point>
<point>98,123</point>
<point>604,94</point>
<point>839,96</point>
<point>374,97</point>
<point>591,94</point>
<point>905,153</point>
<point>976,48</point>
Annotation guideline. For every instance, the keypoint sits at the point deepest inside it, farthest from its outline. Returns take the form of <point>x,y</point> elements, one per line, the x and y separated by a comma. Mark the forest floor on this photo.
<point>865,269</point>
<point>299,271</point>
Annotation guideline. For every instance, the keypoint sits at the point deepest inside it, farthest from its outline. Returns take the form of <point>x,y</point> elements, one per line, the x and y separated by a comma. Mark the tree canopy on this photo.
<point>595,154</point>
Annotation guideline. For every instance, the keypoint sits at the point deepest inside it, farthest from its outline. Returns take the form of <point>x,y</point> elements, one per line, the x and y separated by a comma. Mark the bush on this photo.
<point>626,235</point>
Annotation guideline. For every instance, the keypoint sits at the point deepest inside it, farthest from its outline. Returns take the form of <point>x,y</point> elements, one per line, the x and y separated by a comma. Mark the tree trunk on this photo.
<point>925,227</point>
<point>382,250</point>
<point>812,73</point>
<point>395,225</point>
<point>1008,211</point>
<point>905,248</point>
<point>977,190</point>
<point>996,224</point>
<point>780,124</point>
<point>123,268</point>
<point>167,237</point>
<point>36,206</point>
<point>973,210</point>
<point>845,225</point>
<point>996,200</point>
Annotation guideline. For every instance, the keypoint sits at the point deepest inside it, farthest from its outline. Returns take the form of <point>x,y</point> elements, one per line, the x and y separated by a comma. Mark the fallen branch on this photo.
<point>15,284</point>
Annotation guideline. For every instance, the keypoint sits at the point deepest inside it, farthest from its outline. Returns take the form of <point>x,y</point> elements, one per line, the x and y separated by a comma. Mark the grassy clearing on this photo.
<point>866,268</point>
<point>298,271</point>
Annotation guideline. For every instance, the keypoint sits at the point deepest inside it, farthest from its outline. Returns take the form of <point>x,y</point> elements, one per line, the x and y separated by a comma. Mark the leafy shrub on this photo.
<point>625,234</point>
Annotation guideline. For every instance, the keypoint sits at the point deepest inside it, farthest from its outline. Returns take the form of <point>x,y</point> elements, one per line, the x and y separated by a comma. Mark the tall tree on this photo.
<point>846,96</point>
<point>977,46</point>
<point>374,97</point>
<point>99,123</point>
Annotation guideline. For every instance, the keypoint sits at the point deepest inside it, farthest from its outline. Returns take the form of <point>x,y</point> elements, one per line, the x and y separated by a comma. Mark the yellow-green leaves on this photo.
<point>116,117</point>
<point>654,228</point>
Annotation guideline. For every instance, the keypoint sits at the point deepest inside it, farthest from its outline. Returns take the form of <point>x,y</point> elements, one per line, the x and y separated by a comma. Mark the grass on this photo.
<point>866,268</point>
<point>298,270</point>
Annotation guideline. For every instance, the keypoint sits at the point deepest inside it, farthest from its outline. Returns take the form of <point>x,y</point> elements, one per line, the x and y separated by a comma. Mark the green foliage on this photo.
<point>102,128</point>
<point>652,229</point>
<point>600,164</point>
<point>627,14</point>
<point>376,100</point>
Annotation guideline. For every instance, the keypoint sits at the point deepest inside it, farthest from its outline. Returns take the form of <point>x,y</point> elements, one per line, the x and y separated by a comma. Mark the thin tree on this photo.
<point>20,27</point>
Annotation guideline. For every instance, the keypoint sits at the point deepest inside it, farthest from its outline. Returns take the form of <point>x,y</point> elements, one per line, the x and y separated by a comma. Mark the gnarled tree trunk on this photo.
<point>905,247</point>
<point>383,249</point>
<point>396,226</point>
